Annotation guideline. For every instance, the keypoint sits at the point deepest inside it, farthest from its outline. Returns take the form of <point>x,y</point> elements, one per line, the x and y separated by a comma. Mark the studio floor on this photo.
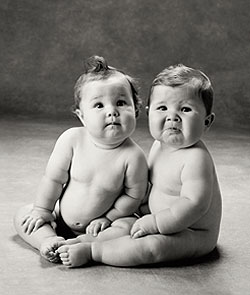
<point>25,145</point>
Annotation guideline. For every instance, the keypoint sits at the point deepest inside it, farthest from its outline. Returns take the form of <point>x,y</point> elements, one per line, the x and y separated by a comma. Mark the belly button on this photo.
<point>78,224</point>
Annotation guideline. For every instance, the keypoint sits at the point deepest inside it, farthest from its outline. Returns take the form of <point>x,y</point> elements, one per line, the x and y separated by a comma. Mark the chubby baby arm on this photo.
<point>51,185</point>
<point>197,178</point>
<point>36,218</point>
<point>135,187</point>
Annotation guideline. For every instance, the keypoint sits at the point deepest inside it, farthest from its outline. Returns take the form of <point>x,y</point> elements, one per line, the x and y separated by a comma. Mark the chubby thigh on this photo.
<point>183,245</point>
<point>126,251</point>
<point>180,246</point>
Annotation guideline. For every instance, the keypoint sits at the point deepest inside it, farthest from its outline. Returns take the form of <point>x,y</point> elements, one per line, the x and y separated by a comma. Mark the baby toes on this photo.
<point>51,256</point>
<point>65,259</point>
<point>66,263</point>
<point>54,259</point>
<point>62,249</point>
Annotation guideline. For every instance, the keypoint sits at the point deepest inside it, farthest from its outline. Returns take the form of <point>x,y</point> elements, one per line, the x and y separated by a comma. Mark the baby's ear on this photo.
<point>209,120</point>
<point>79,114</point>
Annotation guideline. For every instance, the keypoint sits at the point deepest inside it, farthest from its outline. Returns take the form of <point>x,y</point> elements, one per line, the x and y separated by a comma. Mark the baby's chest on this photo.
<point>100,171</point>
<point>166,175</point>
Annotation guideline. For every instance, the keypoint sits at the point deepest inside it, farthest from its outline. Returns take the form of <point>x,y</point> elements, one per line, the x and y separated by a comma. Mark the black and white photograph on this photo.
<point>125,147</point>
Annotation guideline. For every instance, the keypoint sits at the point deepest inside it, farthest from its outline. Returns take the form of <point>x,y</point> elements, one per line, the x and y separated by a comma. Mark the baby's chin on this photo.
<point>172,138</point>
<point>175,143</point>
<point>110,144</point>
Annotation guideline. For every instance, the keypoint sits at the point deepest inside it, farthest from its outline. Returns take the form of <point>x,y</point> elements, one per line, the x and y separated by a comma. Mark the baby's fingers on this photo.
<point>137,231</point>
<point>26,223</point>
<point>90,229</point>
<point>38,224</point>
<point>104,225</point>
<point>25,219</point>
<point>29,226</point>
<point>135,228</point>
<point>96,229</point>
<point>138,234</point>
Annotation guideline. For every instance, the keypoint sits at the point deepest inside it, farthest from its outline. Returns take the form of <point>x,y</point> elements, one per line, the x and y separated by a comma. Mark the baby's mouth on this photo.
<point>173,129</point>
<point>113,124</point>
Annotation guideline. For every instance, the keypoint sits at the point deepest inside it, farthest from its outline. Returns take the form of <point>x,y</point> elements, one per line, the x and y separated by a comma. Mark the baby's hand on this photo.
<point>97,225</point>
<point>144,226</point>
<point>35,219</point>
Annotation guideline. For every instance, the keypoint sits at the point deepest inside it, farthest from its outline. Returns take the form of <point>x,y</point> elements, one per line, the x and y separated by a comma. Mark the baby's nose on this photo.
<point>112,112</point>
<point>173,117</point>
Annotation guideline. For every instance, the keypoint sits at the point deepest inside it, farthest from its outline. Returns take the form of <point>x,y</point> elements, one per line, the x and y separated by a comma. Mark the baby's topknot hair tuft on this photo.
<point>95,69</point>
<point>96,64</point>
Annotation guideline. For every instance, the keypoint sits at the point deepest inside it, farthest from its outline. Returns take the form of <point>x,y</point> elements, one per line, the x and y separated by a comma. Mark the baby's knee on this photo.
<point>206,248</point>
<point>21,212</point>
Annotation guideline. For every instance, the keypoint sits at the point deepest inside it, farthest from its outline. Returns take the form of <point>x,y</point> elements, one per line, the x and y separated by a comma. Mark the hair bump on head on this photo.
<point>96,68</point>
<point>96,64</point>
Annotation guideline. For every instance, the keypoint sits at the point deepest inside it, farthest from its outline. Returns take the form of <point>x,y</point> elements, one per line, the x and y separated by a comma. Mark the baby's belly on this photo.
<point>159,200</point>
<point>81,204</point>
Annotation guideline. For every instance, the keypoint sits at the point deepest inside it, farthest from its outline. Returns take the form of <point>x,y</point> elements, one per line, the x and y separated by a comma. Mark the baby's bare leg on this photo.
<point>44,239</point>
<point>120,227</point>
<point>76,252</point>
<point>126,251</point>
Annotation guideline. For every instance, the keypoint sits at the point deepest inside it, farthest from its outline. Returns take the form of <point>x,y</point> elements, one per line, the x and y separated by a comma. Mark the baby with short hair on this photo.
<point>96,174</point>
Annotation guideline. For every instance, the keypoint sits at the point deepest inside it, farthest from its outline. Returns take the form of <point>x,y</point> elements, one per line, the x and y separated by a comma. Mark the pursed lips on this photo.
<point>113,124</point>
<point>173,128</point>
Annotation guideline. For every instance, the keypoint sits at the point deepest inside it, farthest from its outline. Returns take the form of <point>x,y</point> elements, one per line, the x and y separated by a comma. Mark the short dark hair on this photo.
<point>96,68</point>
<point>178,75</point>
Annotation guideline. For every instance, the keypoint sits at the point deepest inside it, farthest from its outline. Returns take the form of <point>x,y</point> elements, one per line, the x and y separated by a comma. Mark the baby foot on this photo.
<point>49,246</point>
<point>75,255</point>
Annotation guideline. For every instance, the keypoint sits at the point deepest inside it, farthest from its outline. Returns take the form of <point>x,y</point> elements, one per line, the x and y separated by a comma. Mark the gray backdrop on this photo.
<point>44,42</point>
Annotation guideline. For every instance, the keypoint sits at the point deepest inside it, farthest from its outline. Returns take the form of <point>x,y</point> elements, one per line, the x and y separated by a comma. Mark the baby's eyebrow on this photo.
<point>189,102</point>
<point>160,102</point>
<point>121,94</point>
<point>120,91</point>
<point>96,97</point>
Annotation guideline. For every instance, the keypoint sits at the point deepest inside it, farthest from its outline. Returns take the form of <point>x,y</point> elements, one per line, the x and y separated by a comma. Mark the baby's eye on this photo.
<point>121,103</point>
<point>162,108</point>
<point>98,105</point>
<point>186,109</point>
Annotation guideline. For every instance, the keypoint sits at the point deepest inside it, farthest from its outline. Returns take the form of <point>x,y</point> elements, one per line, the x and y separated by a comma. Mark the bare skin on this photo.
<point>98,172</point>
<point>184,201</point>
<point>77,251</point>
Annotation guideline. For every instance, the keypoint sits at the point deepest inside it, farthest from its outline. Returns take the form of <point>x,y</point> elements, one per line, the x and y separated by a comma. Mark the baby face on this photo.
<point>176,116</point>
<point>107,110</point>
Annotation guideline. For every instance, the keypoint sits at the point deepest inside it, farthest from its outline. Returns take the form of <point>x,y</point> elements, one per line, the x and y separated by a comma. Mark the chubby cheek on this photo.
<point>95,122</point>
<point>130,117</point>
<point>129,127</point>
<point>155,127</point>
<point>195,130</point>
